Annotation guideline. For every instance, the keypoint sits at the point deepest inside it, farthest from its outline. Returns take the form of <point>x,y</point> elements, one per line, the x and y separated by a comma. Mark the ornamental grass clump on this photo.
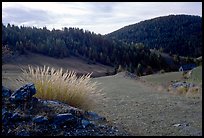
<point>54,84</point>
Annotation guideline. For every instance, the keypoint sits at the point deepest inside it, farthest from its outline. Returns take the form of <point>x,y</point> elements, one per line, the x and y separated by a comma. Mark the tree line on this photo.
<point>135,58</point>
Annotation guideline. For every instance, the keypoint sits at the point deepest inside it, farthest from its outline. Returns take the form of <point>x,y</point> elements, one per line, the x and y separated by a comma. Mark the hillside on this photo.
<point>78,42</point>
<point>196,75</point>
<point>175,34</point>
<point>12,68</point>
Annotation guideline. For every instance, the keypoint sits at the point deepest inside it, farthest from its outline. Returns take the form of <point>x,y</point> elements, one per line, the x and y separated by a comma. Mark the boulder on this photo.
<point>6,116</point>
<point>40,119</point>
<point>184,84</point>
<point>6,92</point>
<point>16,117</point>
<point>67,118</point>
<point>85,123</point>
<point>94,116</point>
<point>24,93</point>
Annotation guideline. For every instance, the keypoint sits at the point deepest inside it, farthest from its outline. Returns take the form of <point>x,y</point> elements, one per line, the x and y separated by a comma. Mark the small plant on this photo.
<point>182,90</point>
<point>162,71</point>
<point>185,74</point>
<point>54,84</point>
<point>194,92</point>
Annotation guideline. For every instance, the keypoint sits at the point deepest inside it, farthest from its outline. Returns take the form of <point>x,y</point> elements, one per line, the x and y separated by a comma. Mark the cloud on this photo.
<point>99,17</point>
<point>24,16</point>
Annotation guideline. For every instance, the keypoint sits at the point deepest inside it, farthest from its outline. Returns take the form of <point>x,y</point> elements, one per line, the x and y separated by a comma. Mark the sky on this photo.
<point>98,17</point>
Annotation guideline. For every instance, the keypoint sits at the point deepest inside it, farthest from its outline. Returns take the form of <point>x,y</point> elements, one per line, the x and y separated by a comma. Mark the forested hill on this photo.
<point>82,43</point>
<point>175,34</point>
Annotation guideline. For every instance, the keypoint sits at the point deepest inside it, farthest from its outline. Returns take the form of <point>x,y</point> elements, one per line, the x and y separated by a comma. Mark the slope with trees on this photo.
<point>174,34</point>
<point>82,43</point>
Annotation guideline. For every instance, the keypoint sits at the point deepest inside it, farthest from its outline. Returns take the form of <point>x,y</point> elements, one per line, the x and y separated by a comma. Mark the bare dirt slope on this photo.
<point>142,110</point>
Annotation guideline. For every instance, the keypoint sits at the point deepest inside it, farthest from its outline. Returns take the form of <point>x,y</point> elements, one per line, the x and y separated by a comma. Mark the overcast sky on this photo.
<point>99,17</point>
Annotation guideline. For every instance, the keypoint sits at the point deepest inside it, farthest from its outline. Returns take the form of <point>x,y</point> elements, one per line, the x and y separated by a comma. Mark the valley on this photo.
<point>140,86</point>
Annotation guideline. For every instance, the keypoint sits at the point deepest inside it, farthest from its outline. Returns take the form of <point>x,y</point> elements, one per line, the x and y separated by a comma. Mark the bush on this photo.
<point>182,90</point>
<point>53,84</point>
<point>162,71</point>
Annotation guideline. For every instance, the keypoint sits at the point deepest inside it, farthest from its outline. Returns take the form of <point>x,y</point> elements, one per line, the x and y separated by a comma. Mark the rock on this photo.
<point>16,117</point>
<point>23,133</point>
<point>6,116</point>
<point>85,123</point>
<point>6,92</point>
<point>3,111</point>
<point>34,100</point>
<point>24,93</point>
<point>76,112</point>
<point>94,116</point>
<point>184,84</point>
<point>32,103</point>
<point>66,118</point>
<point>22,116</point>
<point>177,125</point>
<point>40,119</point>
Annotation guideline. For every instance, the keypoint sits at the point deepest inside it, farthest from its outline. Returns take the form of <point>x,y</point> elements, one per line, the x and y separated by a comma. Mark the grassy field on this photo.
<point>129,103</point>
<point>144,111</point>
<point>163,79</point>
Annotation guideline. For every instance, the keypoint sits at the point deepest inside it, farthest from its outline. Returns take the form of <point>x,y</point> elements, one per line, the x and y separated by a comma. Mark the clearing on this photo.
<point>142,110</point>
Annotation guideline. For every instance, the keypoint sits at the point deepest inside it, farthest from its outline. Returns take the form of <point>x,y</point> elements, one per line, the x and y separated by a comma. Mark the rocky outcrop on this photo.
<point>184,84</point>
<point>25,115</point>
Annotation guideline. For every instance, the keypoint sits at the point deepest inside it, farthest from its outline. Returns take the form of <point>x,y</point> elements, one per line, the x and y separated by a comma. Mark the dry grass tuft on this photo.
<point>194,91</point>
<point>182,90</point>
<point>54,84</point>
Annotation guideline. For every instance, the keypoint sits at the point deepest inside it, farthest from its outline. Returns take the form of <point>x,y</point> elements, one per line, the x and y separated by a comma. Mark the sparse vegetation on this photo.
<point>185,74</point>
<point>54,84</point>
<point>182,90</point>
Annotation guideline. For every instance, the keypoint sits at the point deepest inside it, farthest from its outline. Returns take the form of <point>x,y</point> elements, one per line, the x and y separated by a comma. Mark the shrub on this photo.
<point>54,84</point>
<point>194,92</point>
<point>162,71</point>
<point>182,90</point>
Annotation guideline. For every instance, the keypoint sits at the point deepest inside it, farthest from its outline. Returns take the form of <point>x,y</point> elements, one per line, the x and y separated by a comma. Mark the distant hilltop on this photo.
<point>175,34</point>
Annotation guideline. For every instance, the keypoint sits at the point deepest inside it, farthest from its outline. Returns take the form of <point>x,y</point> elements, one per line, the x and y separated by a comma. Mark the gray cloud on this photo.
<point>21,15</point>
<point>100,17</point>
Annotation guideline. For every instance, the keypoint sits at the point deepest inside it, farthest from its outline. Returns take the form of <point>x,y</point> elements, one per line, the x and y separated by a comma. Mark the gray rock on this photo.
<point>94,116</point>
<point>85,123</point>
<point>184,84</point>
<point>6,92</point>
<point>3,111</point>
<point>40,119</point>
<point>16,117</point>
<point>23,133</point>
<point>66,118</point>
<point>24,93</point>
<point>6,116</point>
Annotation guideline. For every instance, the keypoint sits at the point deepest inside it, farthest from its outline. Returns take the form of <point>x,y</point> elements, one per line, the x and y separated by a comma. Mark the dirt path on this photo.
<point>141,110</point>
